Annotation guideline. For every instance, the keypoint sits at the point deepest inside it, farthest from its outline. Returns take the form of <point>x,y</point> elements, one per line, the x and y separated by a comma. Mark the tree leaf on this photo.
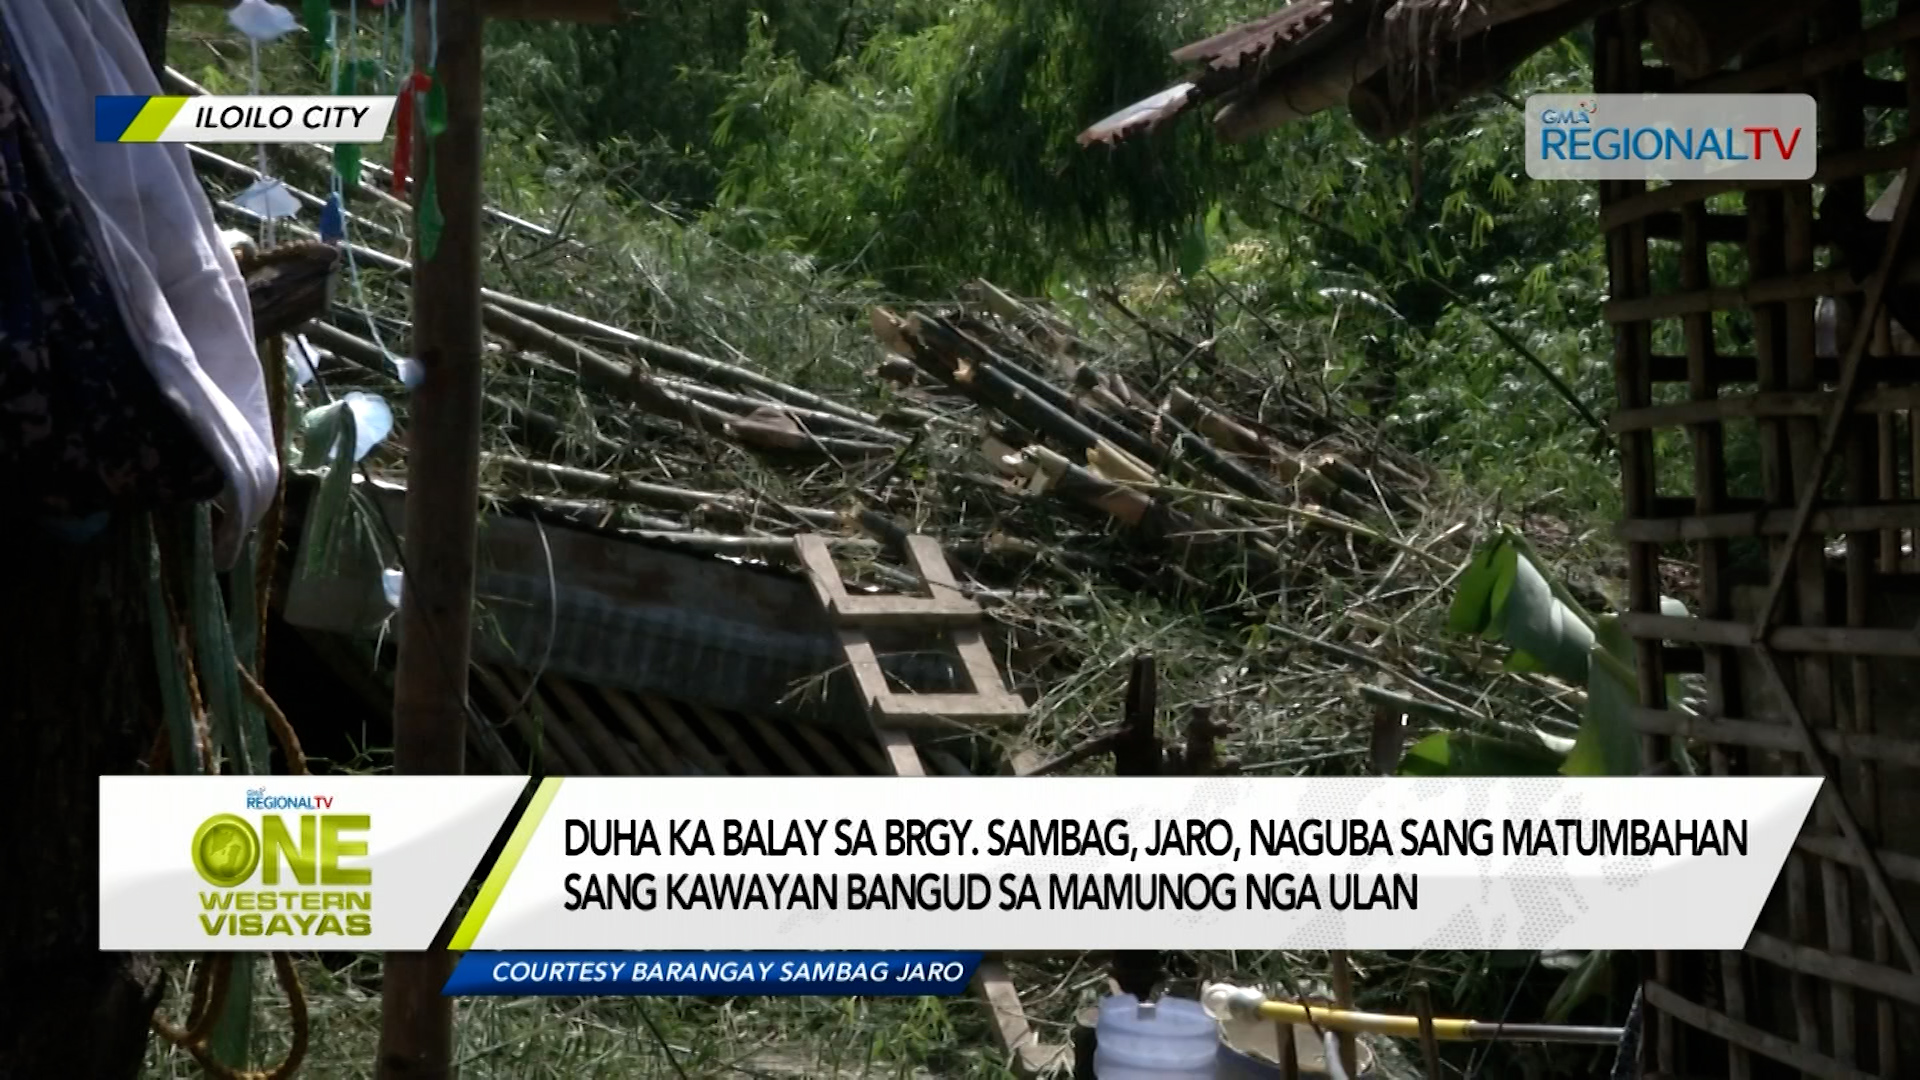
<point>1607,744</point>
<point>1465,753</point>
<point>1579,985</point>
<point>1193,250</point>
<point>1530,619</point>
<point>1472,609</point>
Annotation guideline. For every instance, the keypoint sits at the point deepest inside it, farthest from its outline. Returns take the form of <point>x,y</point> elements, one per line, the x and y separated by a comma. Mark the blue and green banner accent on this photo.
<point>134,118</point>
<point>713,974</point>
<point>242,118</point>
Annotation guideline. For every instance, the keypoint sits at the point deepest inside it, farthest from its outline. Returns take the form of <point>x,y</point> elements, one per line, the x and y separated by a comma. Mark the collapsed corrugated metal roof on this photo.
<point>651,658</point>
<point>553,725</point>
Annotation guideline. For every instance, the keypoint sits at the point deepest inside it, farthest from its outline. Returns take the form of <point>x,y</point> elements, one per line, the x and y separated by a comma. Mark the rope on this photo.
<point>209,992</point>
<point>213,977</point>
<point>277,720</point>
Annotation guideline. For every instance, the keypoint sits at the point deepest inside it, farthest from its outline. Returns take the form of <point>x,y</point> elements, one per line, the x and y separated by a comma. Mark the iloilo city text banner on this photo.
<point>257,863</point>
<point>1107,863</point>
<point>142,118</point>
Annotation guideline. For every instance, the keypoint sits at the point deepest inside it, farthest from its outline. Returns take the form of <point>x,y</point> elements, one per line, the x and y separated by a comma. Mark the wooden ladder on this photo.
<point>896,715</point>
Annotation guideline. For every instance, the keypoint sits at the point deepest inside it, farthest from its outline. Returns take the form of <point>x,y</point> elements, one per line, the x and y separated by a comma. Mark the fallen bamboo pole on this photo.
<point>667,356</point>
<point>622,489</point>
<point>648,393</point>
<point>306,198</point>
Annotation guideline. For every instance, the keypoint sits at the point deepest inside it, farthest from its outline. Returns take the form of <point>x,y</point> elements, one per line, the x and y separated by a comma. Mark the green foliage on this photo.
<point>1467,753</point>
<point>950,151</point>
<point>1505,598</point>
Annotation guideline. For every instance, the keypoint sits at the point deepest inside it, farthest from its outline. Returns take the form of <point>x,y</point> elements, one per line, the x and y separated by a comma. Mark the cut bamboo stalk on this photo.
<point>667,356</point>
<point>684,361</point>
<point>1771,735</point>
<point>648,393</point>
<point>1833,167</point>
<point>1341,494</point>
<point>1809,63</point>
<point>1763,404</point>
<point>620,488</point>
<point>1792,639</point>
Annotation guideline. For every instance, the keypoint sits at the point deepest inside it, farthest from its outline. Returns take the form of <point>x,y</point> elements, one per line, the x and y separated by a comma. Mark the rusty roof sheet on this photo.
<point>1249,42</point>
<point>554,725</point>
<point>1236,61</point>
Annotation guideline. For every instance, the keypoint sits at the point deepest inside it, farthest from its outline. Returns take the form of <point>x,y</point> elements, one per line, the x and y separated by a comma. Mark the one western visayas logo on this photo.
<point>285,874</point>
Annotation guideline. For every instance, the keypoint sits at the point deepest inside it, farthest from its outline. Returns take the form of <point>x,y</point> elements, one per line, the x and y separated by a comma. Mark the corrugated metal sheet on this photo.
<point>654,618</point>
<point>561,726</point>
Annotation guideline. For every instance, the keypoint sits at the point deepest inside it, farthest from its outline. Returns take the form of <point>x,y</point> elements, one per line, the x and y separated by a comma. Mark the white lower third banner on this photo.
<point>945,863</point>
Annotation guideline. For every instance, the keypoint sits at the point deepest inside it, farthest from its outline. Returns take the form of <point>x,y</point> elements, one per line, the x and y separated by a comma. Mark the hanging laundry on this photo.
<point>262,21</point>
<point>319,27</point>
<point>179,290</point>
<point>84,425</point>
<point>269,198</point>
<point>333,220</point>
<point>416,84</point>
<point>346,83</point>
<point>431,222</point>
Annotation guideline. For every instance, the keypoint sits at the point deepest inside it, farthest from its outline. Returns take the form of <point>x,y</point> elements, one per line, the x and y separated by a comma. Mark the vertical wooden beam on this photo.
<point>1715,597</point>
<point>436,610</point>
<point>1618,69</point>
<point>1138,754</point>
<point>1843,204</point>
<point>1342,977</point>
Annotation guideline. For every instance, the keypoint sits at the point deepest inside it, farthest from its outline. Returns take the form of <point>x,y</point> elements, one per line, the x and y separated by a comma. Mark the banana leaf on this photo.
<point>1467,753</point>
<point>1505,597</point>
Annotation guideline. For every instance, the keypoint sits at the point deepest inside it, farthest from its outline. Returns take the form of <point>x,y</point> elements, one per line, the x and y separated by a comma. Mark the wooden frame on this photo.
<point>1805,608</point>
<point>944,607</point>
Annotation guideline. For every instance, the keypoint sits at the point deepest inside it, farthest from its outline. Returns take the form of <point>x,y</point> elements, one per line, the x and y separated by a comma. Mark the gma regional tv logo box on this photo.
<point>297,871</point>
<point>255,863</point>
<point>1671,136</point>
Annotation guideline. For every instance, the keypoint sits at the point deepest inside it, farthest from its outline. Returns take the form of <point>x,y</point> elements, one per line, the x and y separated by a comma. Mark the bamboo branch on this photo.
<point>623,489</point>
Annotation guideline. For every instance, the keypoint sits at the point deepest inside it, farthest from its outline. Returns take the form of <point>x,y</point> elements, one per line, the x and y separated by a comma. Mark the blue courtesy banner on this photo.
<point>713,974</point>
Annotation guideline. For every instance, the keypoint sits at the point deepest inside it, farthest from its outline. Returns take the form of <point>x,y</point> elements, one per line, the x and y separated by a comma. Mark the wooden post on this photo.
<point>1349,1051</point>
<point>442,507</point>
<point>1138,754</point>
<point>1429,1042</point>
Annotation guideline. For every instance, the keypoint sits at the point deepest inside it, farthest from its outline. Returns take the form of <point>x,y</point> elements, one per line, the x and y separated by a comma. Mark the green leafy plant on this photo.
<point>1505,598</point>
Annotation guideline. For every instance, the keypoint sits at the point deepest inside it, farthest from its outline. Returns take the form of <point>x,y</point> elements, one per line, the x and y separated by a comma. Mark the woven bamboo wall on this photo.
<point>1728,411</point>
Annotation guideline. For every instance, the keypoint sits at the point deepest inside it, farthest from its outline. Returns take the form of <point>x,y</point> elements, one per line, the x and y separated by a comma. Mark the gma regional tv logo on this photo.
<point>1671,136</point>
<point>282,874</point>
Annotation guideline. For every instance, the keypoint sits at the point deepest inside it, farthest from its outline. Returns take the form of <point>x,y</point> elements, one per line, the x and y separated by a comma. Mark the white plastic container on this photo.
<point>1171,1039</point>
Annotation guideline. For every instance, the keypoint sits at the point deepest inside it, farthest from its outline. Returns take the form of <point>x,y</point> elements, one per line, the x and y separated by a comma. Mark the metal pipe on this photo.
<point>1223,1001</point>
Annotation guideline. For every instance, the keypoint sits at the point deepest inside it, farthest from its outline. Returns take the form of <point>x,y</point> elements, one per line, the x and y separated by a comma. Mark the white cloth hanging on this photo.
<point>179,288</point>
